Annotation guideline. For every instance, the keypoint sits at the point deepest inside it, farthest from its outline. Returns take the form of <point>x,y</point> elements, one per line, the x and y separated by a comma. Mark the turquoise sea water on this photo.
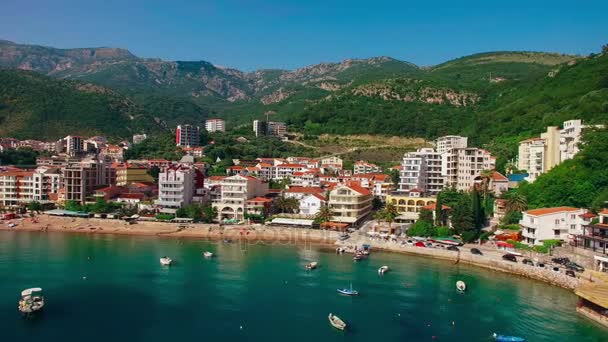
<point>263,293</point>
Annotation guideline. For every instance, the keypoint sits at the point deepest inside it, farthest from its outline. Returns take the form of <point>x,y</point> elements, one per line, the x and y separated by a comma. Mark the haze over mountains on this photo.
<point>494,95</point>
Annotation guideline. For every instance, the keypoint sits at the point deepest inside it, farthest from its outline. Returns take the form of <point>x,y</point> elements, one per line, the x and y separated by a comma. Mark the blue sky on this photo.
<point>289,34</point>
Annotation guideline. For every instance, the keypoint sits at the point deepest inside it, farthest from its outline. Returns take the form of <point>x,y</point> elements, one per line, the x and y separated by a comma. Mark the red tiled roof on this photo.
<point>265,165</point>
<point>359,189</point>
<point>259,199</point>
<point>236,167</point>
<point>319,196</point>
<point>292,165</point>
<point>217,178</point>
<point>548,211</point>
<point>587,215</point>
<point>604,212</point>
<point>133,196</point>
<point>499,177</point>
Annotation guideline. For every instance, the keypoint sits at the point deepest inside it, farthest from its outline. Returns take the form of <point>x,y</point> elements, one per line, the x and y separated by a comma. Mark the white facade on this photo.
<point>175,189</point>
<point>311,203</point>
<point>235,191</point>
<point>448,142</point>
<point>215,125</point>
<point>560,223</point>
<point>22,187</point>
<point>363,167</point>
<point>461,166</point>
<point>349,204</point>
<point>421,170</point>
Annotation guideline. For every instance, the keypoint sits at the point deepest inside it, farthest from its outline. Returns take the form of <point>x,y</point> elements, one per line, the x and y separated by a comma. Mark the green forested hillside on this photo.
<point>39,107</point>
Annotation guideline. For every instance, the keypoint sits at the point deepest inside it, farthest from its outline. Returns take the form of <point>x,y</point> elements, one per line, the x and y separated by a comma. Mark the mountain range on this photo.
<point>494,96</point>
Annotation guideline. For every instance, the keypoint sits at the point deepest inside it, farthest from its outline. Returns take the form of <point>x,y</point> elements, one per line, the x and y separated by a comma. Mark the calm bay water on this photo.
<point>260,292</point>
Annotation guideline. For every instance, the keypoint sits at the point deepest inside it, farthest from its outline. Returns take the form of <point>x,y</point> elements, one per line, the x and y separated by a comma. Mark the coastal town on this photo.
<point>404,207</point>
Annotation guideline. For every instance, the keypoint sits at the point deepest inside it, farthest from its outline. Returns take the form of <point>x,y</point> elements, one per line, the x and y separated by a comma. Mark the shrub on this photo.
<point>164,217</point>
<point>485,236</point>
<point>469,236</point>
<point>421,228</point>
<point>443,231</point>
<point>510,227</point>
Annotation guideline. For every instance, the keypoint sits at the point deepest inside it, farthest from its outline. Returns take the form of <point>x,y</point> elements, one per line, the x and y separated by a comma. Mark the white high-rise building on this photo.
<point>570,137</point>
<point>448,142</point>
<point>421,170</point>
<point>461,167</point>
<point>176,187</point>
<point>215,125</point>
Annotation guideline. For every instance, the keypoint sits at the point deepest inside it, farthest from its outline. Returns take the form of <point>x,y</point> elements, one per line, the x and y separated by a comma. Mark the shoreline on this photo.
<point>297,236</point>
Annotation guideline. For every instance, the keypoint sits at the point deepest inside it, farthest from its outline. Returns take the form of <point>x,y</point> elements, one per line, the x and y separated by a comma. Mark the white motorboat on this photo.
<point>166,261</point>
<point>336,322</point>
<point>208,254</point>
<point>312,265</point>
<point>383,270</point>
<point>31,301</point>
<point>461,286</point>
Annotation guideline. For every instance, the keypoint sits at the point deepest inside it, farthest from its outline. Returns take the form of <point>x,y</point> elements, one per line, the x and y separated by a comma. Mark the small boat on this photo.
<point>311,265</point>
<point>31,301</point>
<point>340,250</point>
<point>383,270</point>
<point>165,261</point>
<point>357,257</point>
<point>336,322</point>
<point>504,338</point>
<point>349,292</point>
<point>461,286</point>
<point>208,254</point>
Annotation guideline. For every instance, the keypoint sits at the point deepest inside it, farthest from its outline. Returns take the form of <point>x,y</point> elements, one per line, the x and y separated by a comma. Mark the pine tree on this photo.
<point>462,215</point>
<point>439,217</point>
<point>478,212</point>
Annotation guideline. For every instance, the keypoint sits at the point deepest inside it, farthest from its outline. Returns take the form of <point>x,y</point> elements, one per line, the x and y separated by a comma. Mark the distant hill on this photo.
<point>39,107</point>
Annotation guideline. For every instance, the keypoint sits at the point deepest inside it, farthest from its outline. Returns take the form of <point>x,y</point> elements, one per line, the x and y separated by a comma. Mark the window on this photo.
<point>572,227</point>
<point>556,222</point>
<point>573,216</point>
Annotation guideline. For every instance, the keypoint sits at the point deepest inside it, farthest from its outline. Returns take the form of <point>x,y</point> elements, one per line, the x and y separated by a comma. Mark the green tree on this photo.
<point>462,215</point>
<point>324,215</point>
<point>426,215</point>
<point>286,205</point>
<point>73,206</point>
<point>440,218</point>
<point>34,206</point>
<point>421,228</point>
<point>209,214</point>
<point>516,202</point>
<point>479,217</point>
<point>395,177</point>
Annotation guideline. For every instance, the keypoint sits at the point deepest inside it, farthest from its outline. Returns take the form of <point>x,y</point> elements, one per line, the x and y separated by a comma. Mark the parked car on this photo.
<point>561,260</point>
<point>476,251</point>
<point>344,237</point>
<point>555,269</point>
<point>509,257</point>
<point>527,262</point>
<point>453,248</point>
<point>428,244</point>
<point>410,242</point>
<point>570,273</point>
<point>574,266</point>
<point>541,264</point>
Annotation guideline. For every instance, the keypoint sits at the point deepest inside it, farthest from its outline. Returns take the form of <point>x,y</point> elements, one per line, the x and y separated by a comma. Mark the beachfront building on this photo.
<point>558,223</point>
<point>410,203</point>
<point>594,236</point>
<point>461,167</point>
<point>258,206</point>
<point>448,142</point>
<point>350,203</point>
<point>363,167</point>
<point>311,203</point>
<point>421,170</point>
<point>235,191</point>
<point>80,179</point>
<point>176,188</point>
<point>215,125</point>
<point>19,187</point>
<point>187,135</point>
<point>130,173</point>
<point>299,192</point>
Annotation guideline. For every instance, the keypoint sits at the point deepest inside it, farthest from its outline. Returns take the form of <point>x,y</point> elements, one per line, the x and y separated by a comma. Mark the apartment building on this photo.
<point>271,128</point>
<point>594,236</point>
<point>531,157</point>
<point>187,135</point>
<point>306,178</point>
<point>215,125</point>
<point>362,167</point>
<point>310,204</point>
<point>422,170</point>
<point>177,187</point>
<point>80,179</point>
<point>350,203</point>
<point>138,138</point>
<point>22,187</point>
<point>331,163</point>
<point>410,203</point>
<point>235,191</point>
<point>462,167</point>
<point>570,137</point>
<point>128,174</point>
<point>72,145</point>
<point>559,223</point>
<point>283,171</point>
<point>448,142</point>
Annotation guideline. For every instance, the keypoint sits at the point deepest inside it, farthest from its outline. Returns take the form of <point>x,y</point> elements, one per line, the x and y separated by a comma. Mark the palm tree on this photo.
<point>388,214</point>
<point>516,202</point>
<point>284,204</point>
<point>325,214</point>
<point>485,175</point>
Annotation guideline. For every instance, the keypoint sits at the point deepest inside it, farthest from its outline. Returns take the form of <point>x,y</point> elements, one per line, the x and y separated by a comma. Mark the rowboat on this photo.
<point>311,265</point>
<point>461,286</point>
<point>31,301</point>
<point>208,254</point>
<point>165,261</point>
<point>336,322</point>
<point>383,270</point>
<point>349,292</point>
<point>504,338</point>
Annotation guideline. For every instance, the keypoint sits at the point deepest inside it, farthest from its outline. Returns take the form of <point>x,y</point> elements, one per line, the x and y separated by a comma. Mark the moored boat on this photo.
<point>461,286</point>
<point>349,292</point>
<point>31,301</point>
<point>358,257</point>
<point>336,322</point>
<point>208,254</point>
<point>311,265</point>
<point>383,270</point>
<point>504,338</point>
<point>166,261</point>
